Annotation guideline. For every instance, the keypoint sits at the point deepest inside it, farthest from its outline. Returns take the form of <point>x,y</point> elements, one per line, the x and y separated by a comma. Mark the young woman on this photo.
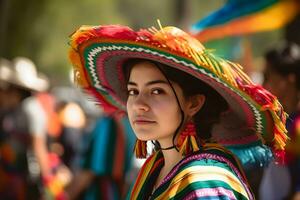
<point>185,100</point>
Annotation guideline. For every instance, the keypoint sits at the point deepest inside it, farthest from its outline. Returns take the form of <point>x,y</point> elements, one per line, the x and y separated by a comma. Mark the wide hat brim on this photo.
<point>98,53</point>
<point>22,74</point>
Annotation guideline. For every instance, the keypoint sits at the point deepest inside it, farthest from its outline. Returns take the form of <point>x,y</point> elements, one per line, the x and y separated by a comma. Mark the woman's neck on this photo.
<point>171,157</point>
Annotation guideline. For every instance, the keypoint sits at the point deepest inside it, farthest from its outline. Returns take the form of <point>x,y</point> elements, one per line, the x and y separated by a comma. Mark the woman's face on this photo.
<point>152,108</point>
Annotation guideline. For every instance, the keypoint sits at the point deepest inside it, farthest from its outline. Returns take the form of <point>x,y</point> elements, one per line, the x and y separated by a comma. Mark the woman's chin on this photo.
<point>144,132</point>
<point>144,136</point>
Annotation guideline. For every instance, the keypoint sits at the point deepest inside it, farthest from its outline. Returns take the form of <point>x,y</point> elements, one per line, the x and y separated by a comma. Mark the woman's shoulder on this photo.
<point>212,154</point>
<point>211,163</point>
<point>212,170</point>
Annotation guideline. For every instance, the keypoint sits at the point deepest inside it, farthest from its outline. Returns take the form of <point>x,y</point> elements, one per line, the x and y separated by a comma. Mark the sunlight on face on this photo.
<point>152,107</point>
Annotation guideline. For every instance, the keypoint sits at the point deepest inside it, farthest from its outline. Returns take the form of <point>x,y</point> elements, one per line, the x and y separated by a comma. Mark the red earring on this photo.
<point>140,149</point>
<point>187,142</point>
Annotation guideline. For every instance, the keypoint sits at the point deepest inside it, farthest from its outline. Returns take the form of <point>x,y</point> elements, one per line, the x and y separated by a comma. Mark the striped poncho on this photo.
<point>211,173</point>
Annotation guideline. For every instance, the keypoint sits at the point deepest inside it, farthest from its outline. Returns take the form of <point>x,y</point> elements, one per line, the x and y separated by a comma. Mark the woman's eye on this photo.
<point>132,92</point>
<point>157,91</point>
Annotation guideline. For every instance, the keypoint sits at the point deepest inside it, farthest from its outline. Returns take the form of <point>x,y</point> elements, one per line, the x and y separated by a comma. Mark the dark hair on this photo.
<point>285,61</point>
<point>214,104</point>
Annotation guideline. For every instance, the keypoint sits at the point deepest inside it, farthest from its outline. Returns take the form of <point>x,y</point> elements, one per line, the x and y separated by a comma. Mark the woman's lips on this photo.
<point>143,122</point>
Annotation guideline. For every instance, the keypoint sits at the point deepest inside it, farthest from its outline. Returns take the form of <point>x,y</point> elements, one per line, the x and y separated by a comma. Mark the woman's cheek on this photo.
<point>129,111</point>
<point>166,108</point>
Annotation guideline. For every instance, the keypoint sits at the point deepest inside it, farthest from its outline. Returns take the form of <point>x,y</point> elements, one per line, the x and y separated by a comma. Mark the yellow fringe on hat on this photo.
<point>280,130</point>
<point>79,77</point>
<point>179,41</point>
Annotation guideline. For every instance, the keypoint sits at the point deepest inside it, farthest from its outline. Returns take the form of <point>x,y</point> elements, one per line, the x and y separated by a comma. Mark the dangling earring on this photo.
<point>140,149</point>
<point>187,140</point>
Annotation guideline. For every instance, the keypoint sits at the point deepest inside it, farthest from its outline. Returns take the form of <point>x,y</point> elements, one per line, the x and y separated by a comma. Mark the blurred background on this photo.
<point>39,29</point>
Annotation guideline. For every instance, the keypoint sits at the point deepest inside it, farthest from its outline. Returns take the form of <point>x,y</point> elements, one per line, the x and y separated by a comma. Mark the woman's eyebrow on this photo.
<point>131,83</point>
<point>149,83</point>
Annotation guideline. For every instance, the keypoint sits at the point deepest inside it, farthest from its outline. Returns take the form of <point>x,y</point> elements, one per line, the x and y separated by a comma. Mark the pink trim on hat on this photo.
<point>100,60</point>
<point>106,55</point>
<point>101,72</point>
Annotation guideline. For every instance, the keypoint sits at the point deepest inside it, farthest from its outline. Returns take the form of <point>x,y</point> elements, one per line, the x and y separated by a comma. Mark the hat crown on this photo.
<point>178,40</point>
<point>28,76</point>
<point>22,72</point>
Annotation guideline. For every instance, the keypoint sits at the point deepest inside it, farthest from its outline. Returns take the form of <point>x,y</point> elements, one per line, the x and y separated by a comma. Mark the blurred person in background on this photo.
<point>15,182</point>
<point>282,78</point>
<point>106,163</point>
<point>44,128</point>
<point>73,121</point>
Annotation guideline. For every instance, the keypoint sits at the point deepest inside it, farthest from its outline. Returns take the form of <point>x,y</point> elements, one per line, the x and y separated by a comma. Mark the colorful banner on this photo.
<point>238,17</point>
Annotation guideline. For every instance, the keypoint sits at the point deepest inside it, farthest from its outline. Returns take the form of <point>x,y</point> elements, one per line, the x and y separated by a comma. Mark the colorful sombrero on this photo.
<point>98,53</point>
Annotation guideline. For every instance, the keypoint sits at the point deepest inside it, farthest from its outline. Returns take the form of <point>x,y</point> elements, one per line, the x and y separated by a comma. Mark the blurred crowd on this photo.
<point>282,78</point>
<point>55,146</point>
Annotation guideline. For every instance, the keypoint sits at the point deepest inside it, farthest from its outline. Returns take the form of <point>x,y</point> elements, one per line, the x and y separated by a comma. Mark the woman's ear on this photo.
<point>195,104</point>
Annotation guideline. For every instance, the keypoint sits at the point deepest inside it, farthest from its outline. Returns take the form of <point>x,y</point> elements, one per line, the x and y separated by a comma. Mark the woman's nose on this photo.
<point>140,103</point>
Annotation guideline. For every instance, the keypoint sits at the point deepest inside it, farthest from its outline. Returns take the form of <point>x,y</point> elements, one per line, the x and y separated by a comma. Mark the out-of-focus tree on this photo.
<point>60,19</point>
<point>39,29</point>
<point>17,19</point>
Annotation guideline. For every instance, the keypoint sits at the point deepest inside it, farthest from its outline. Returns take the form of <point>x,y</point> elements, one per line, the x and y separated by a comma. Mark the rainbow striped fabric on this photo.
<point>211,173</point>
<point>239,17</point>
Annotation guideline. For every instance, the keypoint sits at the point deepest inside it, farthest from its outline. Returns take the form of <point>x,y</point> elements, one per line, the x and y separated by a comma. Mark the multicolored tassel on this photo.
<point>187,142</point>
<point>140,149</point>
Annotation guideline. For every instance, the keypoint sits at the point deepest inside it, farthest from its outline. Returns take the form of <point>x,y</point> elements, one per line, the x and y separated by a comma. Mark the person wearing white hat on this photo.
<point>44,126</point>
<point>14,137</point>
